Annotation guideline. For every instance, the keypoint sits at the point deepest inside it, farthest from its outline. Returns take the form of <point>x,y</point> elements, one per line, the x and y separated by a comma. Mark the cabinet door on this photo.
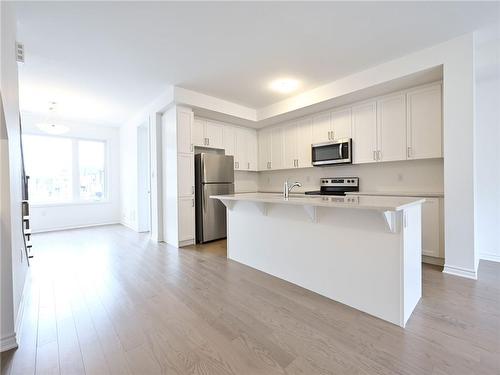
<point>214,134</point>
<point>304,140</point>
<point>277,148</point>
<point>431,227</point>
<point>185,173</point>
<point>184,130</point>
<point>424,123</point>
<point>240,152</point>
<point>186,219</point>
<point>252,150</point>
<point>264,137</point>
<point>229,140</point>
<point>290,134</point>
<point>364,133</point>
<point>199,132</point>
<point>341,124</point>
<point>321,128</point>
<point>391,126</point>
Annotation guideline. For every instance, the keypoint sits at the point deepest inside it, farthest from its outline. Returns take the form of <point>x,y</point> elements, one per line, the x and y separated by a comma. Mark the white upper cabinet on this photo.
<point>391,128</point>
<point>264,149</point>
<point>341,122</point>
<point>199,131</point>
<point>321,128</point>
<point>214,134</point>
<point>184,132</point>
<point>207,133</point>
<point>245,155</point>
<point>228,137</point>
<point>364,133</point>
<point>297,144</point>
<point>277,148</point>
<point>424,111</point>
<point>290,145</point>
<point>304,141</point>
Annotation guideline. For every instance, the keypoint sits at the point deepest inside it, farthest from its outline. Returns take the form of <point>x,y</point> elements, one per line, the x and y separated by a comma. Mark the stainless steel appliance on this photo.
<point>334,152</point>
<point>336,186</point>
<point>214,175</point>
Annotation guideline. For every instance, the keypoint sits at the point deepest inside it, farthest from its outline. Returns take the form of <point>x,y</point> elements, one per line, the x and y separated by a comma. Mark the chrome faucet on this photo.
<point>287,188</point>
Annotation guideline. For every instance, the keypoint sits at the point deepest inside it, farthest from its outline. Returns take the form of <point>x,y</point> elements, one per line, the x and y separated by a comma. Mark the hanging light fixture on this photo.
<point>50,126</point>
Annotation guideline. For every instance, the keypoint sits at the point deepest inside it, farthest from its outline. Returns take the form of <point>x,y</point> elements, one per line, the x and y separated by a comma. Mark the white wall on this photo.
<point>487,140</point>
<point>73,215</point>
<point>245,182</point>
<point>404,176</point>
<point>13,262</point>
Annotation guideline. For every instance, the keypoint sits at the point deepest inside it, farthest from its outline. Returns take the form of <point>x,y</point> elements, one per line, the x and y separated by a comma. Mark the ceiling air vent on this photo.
<point>19,52</point>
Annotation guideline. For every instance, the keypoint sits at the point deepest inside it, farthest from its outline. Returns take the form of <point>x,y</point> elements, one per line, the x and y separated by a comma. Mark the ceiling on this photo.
<point>104,61</point>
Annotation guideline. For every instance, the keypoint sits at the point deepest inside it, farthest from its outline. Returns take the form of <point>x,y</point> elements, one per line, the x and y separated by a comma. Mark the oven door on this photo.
<point>338,152</point>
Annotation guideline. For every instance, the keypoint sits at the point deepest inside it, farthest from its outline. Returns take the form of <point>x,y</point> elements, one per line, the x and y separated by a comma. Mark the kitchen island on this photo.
<point>362,251</point>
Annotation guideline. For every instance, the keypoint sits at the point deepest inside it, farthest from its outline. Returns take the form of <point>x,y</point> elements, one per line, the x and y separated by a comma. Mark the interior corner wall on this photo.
<point>128,175</point>
<point>13,260</point>
<point>487,139</point>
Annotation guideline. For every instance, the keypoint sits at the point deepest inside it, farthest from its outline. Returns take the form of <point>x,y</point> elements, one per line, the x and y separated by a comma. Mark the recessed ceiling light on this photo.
<point>285,85</point>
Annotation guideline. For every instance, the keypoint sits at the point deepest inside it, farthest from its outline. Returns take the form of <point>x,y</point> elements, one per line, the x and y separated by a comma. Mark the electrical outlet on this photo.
<point>400,177</point>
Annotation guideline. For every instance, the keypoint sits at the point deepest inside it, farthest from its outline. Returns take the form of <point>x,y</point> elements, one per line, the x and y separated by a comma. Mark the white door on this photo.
<point>341,124</point>
<point>290,135</point>
<point>321,128</point>
<point>391,125</point>
<point>304,140</point>
<point>277,148</point>
<point>199,132</point>
<point>229,140</point>
<point>214,134</point>
<point>264,138</point>
<point>364,133</point>
<point>431,227</point>
<point>185,173</point>
<point>424,122</point>
<point>186,219</point>
<point>184,126</point>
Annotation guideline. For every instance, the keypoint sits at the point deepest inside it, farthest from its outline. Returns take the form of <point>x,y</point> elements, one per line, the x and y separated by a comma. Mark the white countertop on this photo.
<point>432,194</point>
<point>380,203</point>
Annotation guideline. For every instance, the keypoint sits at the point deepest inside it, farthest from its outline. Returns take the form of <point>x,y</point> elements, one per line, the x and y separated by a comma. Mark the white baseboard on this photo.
<point>129,226</point>
<point>22,304</point>
<point>490,256</point>
<point>459,271</point>
<point>186,243</point>
<point>8,342</point>
<point>69,227</point>
<point>432,260</point>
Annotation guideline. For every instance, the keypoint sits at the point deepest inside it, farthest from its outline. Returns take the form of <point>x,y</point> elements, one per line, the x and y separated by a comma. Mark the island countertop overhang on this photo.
<point>379,203</point>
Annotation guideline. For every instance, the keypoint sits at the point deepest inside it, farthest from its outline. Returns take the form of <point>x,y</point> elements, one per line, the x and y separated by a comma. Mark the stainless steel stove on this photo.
<point>336,186</point>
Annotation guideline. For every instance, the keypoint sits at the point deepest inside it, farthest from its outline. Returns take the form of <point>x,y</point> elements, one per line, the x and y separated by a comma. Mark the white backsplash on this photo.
<point>413,176</point>
<point>245,182</point>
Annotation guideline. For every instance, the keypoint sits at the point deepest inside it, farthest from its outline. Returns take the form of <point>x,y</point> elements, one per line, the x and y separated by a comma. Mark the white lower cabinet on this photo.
<point>186,219</point>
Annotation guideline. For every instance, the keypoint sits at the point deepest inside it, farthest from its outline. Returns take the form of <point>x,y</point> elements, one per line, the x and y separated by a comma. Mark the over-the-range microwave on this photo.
<point>333,152</point>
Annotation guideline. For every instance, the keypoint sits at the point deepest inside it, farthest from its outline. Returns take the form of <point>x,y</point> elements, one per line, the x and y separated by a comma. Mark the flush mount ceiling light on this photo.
<point>49,126</point>
<point>285,85</point>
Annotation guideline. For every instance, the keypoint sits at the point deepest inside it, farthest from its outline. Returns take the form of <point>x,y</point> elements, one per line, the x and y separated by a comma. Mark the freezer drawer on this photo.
<point>211,213</point>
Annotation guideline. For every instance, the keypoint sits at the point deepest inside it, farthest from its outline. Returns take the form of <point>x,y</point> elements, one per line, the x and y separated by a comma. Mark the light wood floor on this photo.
<point>108,301</point>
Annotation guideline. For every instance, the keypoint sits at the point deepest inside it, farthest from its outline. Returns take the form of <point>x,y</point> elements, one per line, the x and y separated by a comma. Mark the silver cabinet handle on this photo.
<point>333,135</point>
<point>248,165</point>
<point>192,202</point>
<point>379,155</point>
<point>330,135</point>
<point>208,141</point>
<point>408,152</point>
<point>192,189</point>
<point>191,148</point>
<point>374,158</point>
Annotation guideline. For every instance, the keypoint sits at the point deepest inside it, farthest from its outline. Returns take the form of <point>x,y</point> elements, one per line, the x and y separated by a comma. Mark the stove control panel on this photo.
<point>340,181</point>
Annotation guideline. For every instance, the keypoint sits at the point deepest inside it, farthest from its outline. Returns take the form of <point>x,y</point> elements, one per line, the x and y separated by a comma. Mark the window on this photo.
<point>64,170</point>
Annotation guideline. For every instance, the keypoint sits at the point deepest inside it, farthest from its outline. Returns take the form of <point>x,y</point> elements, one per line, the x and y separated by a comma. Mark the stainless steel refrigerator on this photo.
<point>214,175</point>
